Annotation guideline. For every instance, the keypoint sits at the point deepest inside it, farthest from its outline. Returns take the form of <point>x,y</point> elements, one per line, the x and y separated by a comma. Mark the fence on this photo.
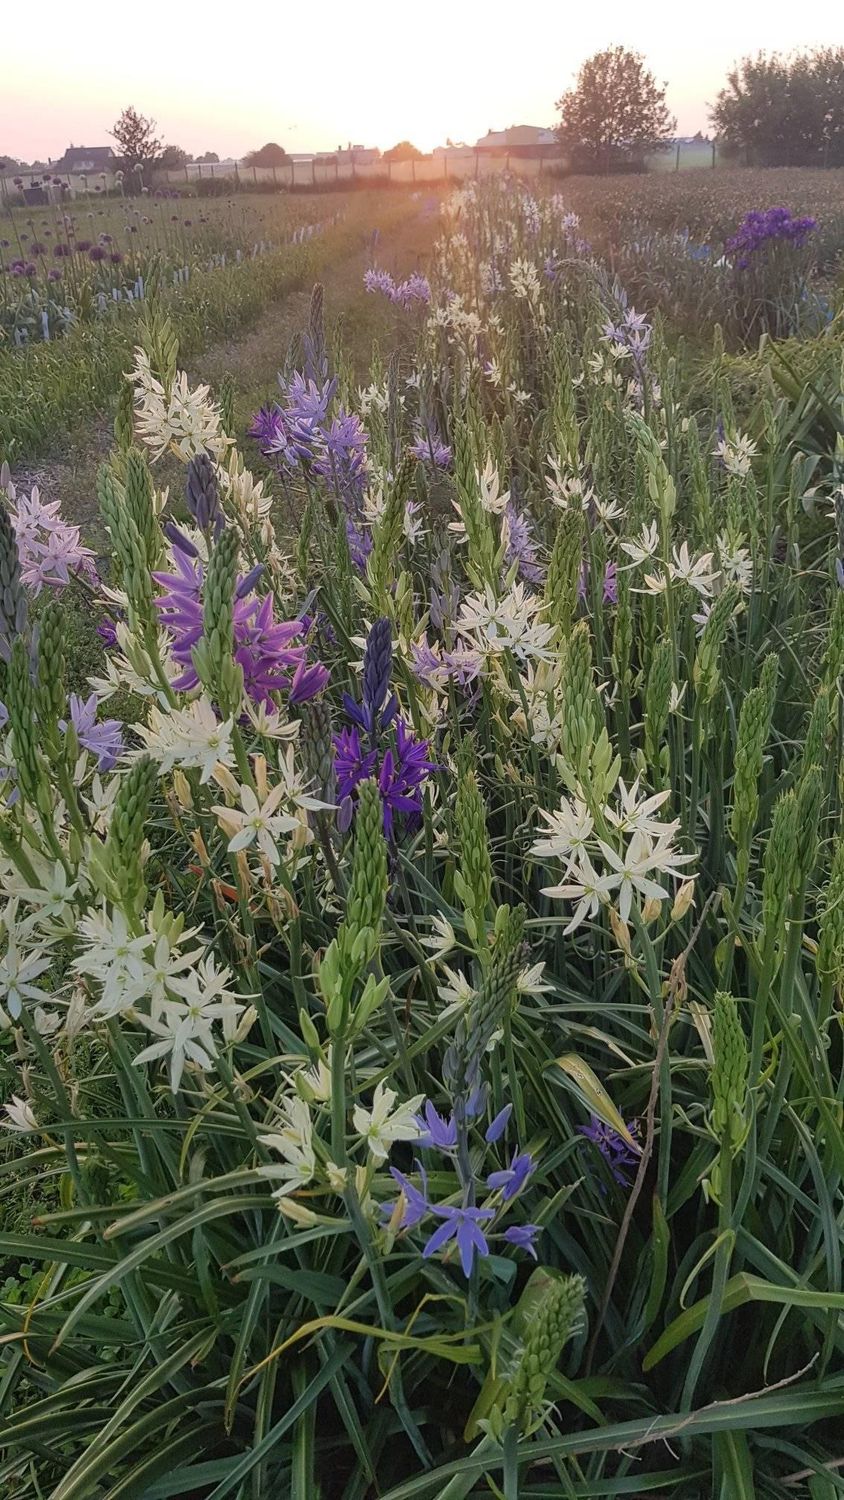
<point>295,174</point>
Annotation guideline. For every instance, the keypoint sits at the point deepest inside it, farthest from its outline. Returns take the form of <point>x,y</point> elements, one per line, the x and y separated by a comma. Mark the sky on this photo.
<point>313,76</point>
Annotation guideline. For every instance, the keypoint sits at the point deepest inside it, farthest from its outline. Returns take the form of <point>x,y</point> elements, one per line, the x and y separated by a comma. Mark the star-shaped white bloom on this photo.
<point>385,1123</point>
<point>293,1140</point>
<point>257,823</point>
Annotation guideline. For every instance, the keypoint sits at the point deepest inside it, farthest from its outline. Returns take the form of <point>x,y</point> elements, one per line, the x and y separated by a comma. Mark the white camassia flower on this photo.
<point>293,1140</point>
<point>493,499</point>
<point>507,624</point>
<point>586,887</point>
<point>184,1032</point>
<point>205,984</point>
<point>529,981</point>
<point>188,422</point>
<point>114,958</point>
<point>442,938</point>
<point>21,1116</point>
<point>458,990</point>
<point>257,823</point>
<point>736,453</point>
<point>383,1124</point>
<point>635,814</point>
<point>645,546</point>
<point>570,827</point>
<point>191,737</point>
<point>643,858</point>
<point>19,968</point>
<point>694,571</point>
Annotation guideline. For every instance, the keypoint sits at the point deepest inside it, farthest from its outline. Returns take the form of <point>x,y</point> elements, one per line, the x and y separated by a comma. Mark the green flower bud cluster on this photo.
<point>728,1077</point>
<point>126,833</point>
<point>622,639</point>
<point>833,665</point>
<point>358,936</point>
<point>316,746</point>
<point>124,419</point>
<point>660,485</point>
<point>555,1315</point>
<point>485,1011</point>
<point>473,881</point>
<point>129,548</point>
<point>20,702</point>
<point>226,400</point>
<point>160,343</point>
<point>830,956</point>
<point>12,597</point>
<point>658,699</point>
<point>780,856</point>
<point>139,501</point>
<point>213,656</point>
<point>817,731</point>
<point>753,729</point>
<point>564,570</point>
<point>51,695</point>
<point>580,709</point>
<point>699,480</point>
<point>387,536</point>
<point>809,799</point>
<point>480,541</point>
<point>564,434</point>
<point>706,675</point>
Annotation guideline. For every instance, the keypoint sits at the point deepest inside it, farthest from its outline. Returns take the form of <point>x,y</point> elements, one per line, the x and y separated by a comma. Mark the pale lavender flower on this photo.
<point>105,740</point>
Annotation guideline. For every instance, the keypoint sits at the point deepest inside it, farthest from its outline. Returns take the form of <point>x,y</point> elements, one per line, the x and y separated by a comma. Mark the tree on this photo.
<point>404,151</point>
<point>208,158</point>
<point>616,111</point>
<point>140,148</point>
<point>173,157</point>
<point>271,155</point>
<point>785,111</point>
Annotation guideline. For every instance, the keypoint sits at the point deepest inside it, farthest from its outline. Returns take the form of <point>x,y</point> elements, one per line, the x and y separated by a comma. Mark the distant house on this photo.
<point>86,159</point>
<point>520,140</point>
<point>360,156</point>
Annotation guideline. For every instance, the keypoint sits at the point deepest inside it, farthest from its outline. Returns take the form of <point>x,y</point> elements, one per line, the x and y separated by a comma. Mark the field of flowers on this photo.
<point>74,280</point>
<point>422,1025</point>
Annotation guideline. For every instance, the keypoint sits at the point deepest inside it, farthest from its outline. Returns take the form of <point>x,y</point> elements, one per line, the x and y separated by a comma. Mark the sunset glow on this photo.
<point>314,77</point>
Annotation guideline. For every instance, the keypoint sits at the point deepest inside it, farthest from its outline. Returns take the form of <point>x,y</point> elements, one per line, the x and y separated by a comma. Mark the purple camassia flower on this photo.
<point>463,1225</point>
<point>376,709</point>
<point>523,1236</point>
<point>437,1131</point>
<point>520,547</point>
<point>416,1203</point>
<point>759,230</point>
<point>360,544</point>
<point>414,289</point>
<point>461,666</point>
<point>379,281</point>
<point>610,583</point>
<point>105,740</point>
<point>512,1179</point>
<point>616,1151</point>
<point>341,456</point>
<point>262,645</point>
<point>430,449</point>
<point>400,772</point>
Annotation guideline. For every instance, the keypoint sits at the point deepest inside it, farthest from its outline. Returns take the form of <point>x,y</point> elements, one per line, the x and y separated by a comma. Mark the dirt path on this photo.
<point>253,359</point>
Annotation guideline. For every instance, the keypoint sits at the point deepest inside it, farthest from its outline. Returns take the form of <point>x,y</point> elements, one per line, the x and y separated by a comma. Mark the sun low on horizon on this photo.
<point>450,72</point>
